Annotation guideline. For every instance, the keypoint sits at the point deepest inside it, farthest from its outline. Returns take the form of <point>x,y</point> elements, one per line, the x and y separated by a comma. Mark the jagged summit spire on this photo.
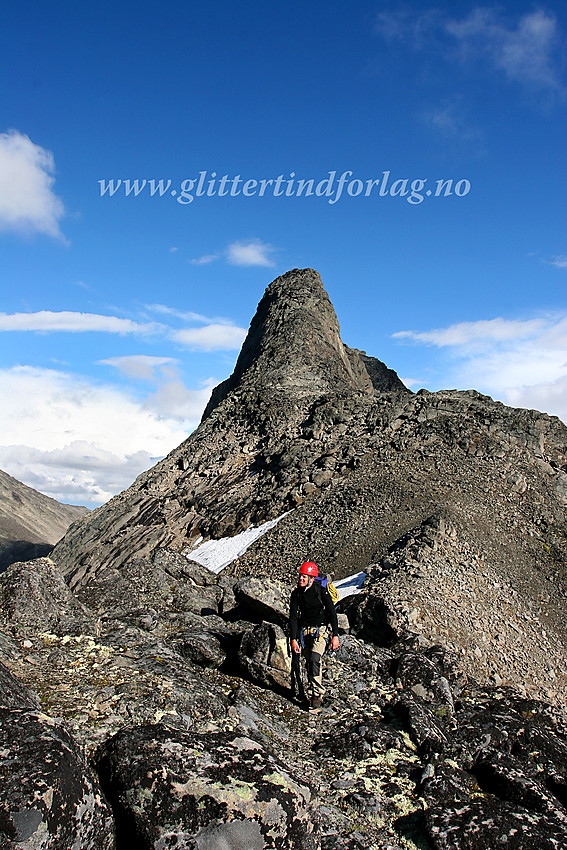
<point>294,345</point>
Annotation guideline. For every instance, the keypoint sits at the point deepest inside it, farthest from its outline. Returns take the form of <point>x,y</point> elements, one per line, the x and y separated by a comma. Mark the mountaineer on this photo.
<point>312,623</point>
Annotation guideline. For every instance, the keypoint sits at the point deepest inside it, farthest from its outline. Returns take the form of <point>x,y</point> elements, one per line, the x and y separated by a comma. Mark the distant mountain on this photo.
<point>30,522</point>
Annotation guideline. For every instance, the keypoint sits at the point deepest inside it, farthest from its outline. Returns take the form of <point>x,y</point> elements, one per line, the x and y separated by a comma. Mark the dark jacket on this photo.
<point>311,607</point>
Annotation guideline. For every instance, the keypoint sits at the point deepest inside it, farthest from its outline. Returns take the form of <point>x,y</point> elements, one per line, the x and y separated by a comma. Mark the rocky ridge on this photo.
<point>179,731</point>
<point>30,522</point>
<point>444,723</point>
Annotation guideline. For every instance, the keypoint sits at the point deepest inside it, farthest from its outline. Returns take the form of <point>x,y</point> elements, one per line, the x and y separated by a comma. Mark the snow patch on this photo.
<point>215,555</point>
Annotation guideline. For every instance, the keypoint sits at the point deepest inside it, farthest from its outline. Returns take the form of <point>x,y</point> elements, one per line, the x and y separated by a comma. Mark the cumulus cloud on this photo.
<point>210,337</point>
<point>251,253</point>
<point>520,362</point>
<point>49,321</point>
<point>523,49</point>
<point>246,252</point>
<point>79,441</point>
<point>27,201</point>
<point>81,473</point>
<point>550,396</point>
<point>173,399</point>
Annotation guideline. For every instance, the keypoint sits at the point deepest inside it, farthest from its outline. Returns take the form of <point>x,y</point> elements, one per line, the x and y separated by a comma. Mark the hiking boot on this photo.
<point>315,703</point>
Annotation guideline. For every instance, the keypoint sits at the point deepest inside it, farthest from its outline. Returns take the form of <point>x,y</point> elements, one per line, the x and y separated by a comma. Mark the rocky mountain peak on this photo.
<point>443,725</point>
<point>294,346</point>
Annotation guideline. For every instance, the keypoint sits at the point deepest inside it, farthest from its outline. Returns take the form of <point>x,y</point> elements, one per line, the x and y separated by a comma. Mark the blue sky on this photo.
<point>121,309</point>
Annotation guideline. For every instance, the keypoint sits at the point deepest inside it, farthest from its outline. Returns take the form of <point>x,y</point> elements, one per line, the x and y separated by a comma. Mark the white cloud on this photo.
<point>520,362</point>
<point>205,259</point>
<point>559,262</point>
<point>173,399</point>
<point>472,333</point>
<point>47,321</point>
<point>452,124</point>
<point>27,201</point>
<point>246,252</point>
<point>412,382</point>
<point>523,49</point>
<point>219,335</point>
<point>550,396</point>
<point>81,473</point>
<point>250,253</point>
<point>141,367</point>
<point>211,337</point>
<point>79,441</point>
<point>186,315</point>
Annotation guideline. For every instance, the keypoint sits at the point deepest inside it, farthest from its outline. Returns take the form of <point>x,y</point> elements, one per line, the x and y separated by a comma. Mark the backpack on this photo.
<point>325,581</point>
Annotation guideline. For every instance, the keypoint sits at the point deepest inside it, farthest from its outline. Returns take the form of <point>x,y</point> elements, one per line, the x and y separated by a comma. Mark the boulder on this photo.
<point>34,597</point>
<point>424,677</point>
<point>49,797</point>
<point>200,646</point>
<point>203,790</point>
<point>265,598</point>
<point>264,657</point>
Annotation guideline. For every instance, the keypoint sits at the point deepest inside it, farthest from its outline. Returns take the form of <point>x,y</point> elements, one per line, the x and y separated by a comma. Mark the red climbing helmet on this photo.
<point>310,569</point>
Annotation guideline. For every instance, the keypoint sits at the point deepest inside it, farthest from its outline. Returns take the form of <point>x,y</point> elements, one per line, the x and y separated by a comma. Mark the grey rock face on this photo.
<point>293,355</point>
<point>294,345</point>
<point>13,694</point>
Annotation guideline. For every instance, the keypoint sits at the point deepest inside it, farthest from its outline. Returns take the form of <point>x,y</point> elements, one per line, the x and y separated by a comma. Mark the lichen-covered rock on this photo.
<point>424,677</point>
<point>503,779</point>
<point>484,824</point>
<point>34,596</point>
<point>180,789</point>
<point>49,797</point>
<point>200,646</point>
